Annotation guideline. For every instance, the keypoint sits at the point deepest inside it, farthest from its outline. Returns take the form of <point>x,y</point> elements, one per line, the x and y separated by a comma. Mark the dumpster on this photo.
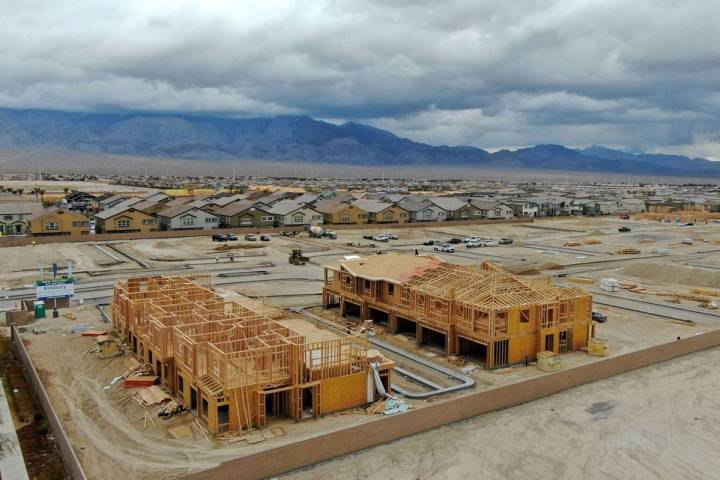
<point>39,307</point>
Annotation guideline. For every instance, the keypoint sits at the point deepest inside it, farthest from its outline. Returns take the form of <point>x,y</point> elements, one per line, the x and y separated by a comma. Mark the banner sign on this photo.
<point>59,288</point>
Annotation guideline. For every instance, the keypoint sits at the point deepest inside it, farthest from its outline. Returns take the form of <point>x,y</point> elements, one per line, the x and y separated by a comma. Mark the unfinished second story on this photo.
<point>480,303</point>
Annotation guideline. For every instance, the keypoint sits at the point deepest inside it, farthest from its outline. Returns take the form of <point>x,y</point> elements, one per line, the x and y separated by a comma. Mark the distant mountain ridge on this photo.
<point>304,140</point>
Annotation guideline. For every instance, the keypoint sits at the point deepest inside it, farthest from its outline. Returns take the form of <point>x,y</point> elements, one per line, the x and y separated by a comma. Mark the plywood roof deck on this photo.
<point>308,330</point>
<point>391,267</point>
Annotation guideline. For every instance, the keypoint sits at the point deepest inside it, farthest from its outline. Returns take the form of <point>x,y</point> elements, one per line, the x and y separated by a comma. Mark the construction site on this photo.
<point>238,363</point>
<point>185,358</point>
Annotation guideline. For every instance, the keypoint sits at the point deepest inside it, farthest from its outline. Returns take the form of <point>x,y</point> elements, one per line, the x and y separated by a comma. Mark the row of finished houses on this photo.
<point>156,211</point>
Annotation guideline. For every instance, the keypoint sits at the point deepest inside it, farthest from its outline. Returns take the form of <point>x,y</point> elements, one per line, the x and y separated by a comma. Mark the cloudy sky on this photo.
<point>636,74</point>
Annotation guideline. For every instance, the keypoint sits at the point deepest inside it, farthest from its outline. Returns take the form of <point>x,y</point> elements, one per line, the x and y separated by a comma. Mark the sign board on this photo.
<point>59,288</point>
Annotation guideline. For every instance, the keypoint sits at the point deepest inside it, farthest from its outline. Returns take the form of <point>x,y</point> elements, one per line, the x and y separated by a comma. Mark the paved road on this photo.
<point>97,292</point>
<point>665,310</point>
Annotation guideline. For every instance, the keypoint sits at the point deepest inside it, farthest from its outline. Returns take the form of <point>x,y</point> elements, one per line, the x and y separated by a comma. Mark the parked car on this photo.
<point>506,241</point>
<point>624,229</point>
<point>391,236</point>
<point>455,240</point>
<point>470,239</point>
<point>329,234</point>
<point>219,238</point>
<point>599,316</point>
<point>473,244</point>
<point>264,238</point>
<point>250,237</point>
<point>381,238</point>
<point>232,237</point>
<point>430,242</point>
<point>490,243</point>
<point>444,248</point>
<point>368,237</point>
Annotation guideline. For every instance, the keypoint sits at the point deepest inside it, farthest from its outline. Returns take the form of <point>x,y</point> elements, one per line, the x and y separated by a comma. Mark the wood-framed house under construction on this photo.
<point>236,362</point>
<point>481,310</point>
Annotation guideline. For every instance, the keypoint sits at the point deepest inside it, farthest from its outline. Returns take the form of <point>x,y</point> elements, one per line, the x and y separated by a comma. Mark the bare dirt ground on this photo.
<point>658,422</point>
<point>42,455</point>
<point>113,443</point>
<point>21,264</point>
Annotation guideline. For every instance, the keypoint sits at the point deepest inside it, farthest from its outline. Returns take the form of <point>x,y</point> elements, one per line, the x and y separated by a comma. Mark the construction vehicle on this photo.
<point>296,257</point>
<point>318,232</point>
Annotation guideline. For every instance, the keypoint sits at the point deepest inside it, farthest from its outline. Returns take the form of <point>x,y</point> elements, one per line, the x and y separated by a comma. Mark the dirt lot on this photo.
<point>112,442</point>
<point>42,455</point>
<point>658,422</point>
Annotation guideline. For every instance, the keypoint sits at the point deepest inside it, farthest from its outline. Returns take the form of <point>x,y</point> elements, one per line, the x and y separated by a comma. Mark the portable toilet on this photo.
<point>39,307</point>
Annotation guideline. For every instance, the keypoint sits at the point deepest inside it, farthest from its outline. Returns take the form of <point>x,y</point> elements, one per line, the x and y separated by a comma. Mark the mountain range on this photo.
<point>299,139</point>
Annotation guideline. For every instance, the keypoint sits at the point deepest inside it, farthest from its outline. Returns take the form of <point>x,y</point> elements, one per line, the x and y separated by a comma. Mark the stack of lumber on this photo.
<point>376,408</point>
<point>628,251</point>
<point>584,280</point>
<point>591,241</point>
<point>705,291</point>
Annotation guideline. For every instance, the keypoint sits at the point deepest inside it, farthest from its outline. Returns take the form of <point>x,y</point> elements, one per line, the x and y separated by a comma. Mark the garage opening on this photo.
<point>433,340</point>
<point>352,311</point>
<point>276,405</point>
<point>406,326</point>
<point>474,351</point>
<point>378,316</point>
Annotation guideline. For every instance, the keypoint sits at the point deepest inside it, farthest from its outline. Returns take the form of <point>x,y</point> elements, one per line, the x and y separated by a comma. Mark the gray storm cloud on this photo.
<point>641,74</point>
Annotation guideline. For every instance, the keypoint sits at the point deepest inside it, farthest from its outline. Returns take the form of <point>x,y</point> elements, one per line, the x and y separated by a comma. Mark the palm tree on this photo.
<point>66,190</point>
<point>20,191</point>
<point>42,195</point>
<point>36,190</point>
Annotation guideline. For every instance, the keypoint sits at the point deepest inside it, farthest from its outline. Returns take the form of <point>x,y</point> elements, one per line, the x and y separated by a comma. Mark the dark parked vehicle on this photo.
<point>506,241</point>
<point>624,229</point>
<point>219,238</point>
<point>455,240</point>
<point>599,316</point>
<point>429,242</point>
<point>232,237</point>
<point>264,238</point>
<point>368,237</point>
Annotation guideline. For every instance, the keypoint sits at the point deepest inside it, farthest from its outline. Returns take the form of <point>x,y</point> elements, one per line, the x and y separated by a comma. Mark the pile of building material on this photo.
<point>572,244</point>
<point>548,361</point>
<point>387,406</point>
<point>609,284</point>
<point>633,287</point>
<point>598,347</point>
<point>628,251</point>
<point>583,280</point>
<point>705,291</point>
<point>591,241</point>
